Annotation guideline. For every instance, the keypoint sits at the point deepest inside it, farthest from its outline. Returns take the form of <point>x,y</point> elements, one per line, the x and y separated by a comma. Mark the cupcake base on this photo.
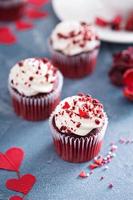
<point>76,66</point>
<point>12,13</point>
<point>36,108</point>
<point>75,152</point>
<point>77,149</point>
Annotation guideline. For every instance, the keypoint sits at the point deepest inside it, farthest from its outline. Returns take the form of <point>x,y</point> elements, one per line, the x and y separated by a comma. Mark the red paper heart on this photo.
<point>6,36</point>
<point>23,25</point>
<point>38,2</point>
<point>12,159</point>
<point>16,198</point>
<point>36,14</point>
<point>23,185</point>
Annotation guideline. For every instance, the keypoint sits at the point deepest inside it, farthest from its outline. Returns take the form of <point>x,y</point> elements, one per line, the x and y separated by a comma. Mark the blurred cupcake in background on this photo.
<point>78,125</point>
<point>74,47</point>
<point>35,86</point>
<point>11,9</point>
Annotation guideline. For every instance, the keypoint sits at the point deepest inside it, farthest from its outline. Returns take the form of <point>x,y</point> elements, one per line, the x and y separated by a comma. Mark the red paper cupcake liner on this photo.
<point>76,66</point>
<point>77,149</point>
<point>9,13</point>
<point>36,108</point>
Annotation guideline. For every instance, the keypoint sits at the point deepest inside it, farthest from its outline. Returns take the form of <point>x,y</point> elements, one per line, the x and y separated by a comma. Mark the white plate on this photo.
<point>90,9</point>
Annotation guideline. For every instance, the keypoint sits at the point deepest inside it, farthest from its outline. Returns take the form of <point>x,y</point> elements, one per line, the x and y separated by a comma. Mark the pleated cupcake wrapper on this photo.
<point>11,10</point>
<point>36,108</point>
<point>77,149</point>
<point>76,66</point>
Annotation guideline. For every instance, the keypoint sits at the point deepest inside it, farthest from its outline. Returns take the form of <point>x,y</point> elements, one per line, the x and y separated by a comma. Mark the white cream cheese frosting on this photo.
<point>33,76</point>
<point>73,37</point>
<point>79,115</point>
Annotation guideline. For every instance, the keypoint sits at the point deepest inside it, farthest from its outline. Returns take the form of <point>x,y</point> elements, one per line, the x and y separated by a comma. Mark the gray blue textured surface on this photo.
<point>56,179</point>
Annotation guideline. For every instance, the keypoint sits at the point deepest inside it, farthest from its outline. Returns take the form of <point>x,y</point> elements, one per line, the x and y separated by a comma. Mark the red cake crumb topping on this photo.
<point>33,71</point>
<point>66,105</point>
<point>80,114</point>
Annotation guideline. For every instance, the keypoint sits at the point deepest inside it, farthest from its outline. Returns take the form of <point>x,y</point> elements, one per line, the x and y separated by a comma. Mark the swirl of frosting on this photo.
<point>79,115</point>
<point>33,76</point>
<point>73,37</point>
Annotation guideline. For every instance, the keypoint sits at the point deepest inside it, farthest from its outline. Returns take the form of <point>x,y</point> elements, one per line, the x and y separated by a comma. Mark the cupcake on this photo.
<point>74,48</point>
<point>78,126</point>
<point>35,86</point>
<point>11,9</point>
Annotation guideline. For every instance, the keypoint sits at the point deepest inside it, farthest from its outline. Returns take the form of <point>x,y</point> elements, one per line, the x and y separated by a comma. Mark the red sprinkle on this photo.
<point>97,121</point>
<point>110,186</point>
<point>99,161</point>
<point>102,177</point>
<point>93,166</point>
<point>82,113</point>
<point>83,174</point>
<point>31,78</point>
<point>66,105</point>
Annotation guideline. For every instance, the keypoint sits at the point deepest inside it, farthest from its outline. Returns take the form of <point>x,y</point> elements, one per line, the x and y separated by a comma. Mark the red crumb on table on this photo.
<point>101,178</point>
<point>110,186</point>
<point>93,166</point>
<point>83,174</point>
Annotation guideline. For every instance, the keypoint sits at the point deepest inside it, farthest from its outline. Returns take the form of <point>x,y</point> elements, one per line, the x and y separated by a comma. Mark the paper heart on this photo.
<point>38,2</point>
<point>6,36</point>
<point>23,25</point>
<point>16,198</point>
<point>22,185</point>
<point>35,14</point>
<point>12,159</point>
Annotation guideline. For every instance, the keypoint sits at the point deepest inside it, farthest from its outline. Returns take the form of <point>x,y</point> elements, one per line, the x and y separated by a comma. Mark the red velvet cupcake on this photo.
<point>35,86</point>
<point>78,126</point>
<point>11,9</point>
<point>74,47</point>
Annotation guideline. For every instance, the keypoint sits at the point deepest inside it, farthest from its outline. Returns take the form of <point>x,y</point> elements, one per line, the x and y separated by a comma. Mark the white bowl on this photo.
<point>89,9</point>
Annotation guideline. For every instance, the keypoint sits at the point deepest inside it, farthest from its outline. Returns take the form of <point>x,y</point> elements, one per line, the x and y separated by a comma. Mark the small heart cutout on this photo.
<point>16,198</point>
<point>23,25</point>
<point>35,14</point>
<point>12,159</point>
<point>22,185</point>
<point>7,36</point>
<point>38,2</point>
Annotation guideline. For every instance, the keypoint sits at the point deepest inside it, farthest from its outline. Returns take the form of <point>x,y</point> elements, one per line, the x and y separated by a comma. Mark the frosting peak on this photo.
<point>79,115</point>
<point>73,37</point>
<point>33,76</point>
